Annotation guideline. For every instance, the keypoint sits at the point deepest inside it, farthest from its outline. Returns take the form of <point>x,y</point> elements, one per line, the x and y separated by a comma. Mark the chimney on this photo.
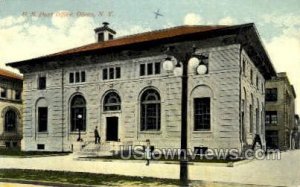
<point>104,33</point>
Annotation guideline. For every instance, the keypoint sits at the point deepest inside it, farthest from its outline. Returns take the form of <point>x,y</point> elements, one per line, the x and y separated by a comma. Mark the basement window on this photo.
<point>200,150</point>
<point>40,146</point>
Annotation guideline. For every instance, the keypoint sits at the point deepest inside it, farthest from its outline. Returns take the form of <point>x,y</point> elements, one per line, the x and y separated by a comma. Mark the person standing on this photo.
<point>97,136</point>
<point>148,152</point>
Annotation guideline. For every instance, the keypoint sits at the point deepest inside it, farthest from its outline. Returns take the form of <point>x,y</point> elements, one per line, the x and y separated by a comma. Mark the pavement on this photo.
<point>283,172</point>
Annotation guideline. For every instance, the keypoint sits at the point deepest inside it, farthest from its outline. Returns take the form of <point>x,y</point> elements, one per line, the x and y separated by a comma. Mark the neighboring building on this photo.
<point>297,125</point>
<point>280,112</point>
<point>120,86</point>
<point>10,109</point>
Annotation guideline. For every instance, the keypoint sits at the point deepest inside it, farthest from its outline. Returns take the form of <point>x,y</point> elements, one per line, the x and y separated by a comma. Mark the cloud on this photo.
<point>61,19</point>
<point>192,19</point>
<point>132,30</point>
<point>227,21</point>
<point>196,19</point>
<point>11,20</point>
<point>286,20</point>
<point>24,38</point>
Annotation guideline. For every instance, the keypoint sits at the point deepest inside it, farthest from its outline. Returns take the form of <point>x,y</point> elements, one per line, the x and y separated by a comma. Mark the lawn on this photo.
<point>19,153</point>
<point>83,178</point>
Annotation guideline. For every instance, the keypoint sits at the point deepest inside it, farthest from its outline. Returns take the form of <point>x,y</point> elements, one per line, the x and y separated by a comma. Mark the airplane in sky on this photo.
<point>157,14</point>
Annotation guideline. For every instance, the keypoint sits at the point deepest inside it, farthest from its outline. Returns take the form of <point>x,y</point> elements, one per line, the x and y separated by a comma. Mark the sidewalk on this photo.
<point>284,172</point>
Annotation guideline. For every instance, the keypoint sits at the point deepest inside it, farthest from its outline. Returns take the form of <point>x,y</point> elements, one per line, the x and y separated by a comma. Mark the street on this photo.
<point>283,172</point>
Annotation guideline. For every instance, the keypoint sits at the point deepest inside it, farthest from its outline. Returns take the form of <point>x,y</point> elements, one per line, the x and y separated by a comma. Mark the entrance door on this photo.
<point>112,128</point>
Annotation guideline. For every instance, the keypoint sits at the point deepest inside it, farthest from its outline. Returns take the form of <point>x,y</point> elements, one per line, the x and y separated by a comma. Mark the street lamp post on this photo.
<point>185,56</point>
<point>79,116</point>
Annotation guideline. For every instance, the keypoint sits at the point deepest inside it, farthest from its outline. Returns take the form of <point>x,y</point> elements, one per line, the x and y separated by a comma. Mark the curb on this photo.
<point>242,162</point>
<point>33,156</point>
<point>212,183</point>
<point>229,164</point>
<point>44,183</point>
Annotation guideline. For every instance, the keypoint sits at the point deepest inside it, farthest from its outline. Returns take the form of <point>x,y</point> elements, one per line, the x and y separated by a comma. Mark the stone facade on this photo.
<point>228,84</point>
<point>10,109</point>
<point>280,130</point>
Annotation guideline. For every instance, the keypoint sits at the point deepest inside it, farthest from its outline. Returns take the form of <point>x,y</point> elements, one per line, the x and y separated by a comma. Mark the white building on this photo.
<point>10,109</point>
<point>120,86</point>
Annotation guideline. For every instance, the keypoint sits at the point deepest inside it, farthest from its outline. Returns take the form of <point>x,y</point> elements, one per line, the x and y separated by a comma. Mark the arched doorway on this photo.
<point>112,104</point>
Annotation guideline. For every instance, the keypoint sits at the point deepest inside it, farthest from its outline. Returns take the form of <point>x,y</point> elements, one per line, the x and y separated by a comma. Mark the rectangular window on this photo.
<point>251,76</point>
<point>251,118</point>
<point>42,119</point>
<point>150,69</point>
<point>110,36</point>
<point>100,37</point>
<point>257,80</point>
<point>3,92</point>
<point>272,139</point>
<point>104,74</point>
<point>271,118</point>
<point>202,114</point>
<point>157,68</point>
<point>40,146</point>
<point>200,150</point>
<point>118,72</point>
<point>18,95</point>
<point>244,66</point>
<point>15,144</point>
<point>77,77</point>
<point>271,94</point>
<point>7,144</point>
<point>142,69</point>
<point>111,73</point>
<point>83,76</point>
<point>42,83</point>
<point>71,77</point>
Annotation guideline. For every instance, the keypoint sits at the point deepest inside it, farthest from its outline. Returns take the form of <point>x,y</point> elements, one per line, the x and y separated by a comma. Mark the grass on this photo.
<point>19,153</point>
<point>82,178</point>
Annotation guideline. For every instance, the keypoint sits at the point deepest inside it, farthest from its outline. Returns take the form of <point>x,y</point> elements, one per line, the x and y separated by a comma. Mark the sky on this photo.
<point>32,28</point>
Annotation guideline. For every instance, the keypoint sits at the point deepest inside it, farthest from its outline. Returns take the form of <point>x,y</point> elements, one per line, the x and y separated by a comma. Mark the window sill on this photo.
<point>112,112</point>
<point>202,132</point>
<point>150,132</point>
<point>76,133</point>
<point>77,83</point>
<point>43,133</point>
<point>149,76</point>
<point>111,80</point>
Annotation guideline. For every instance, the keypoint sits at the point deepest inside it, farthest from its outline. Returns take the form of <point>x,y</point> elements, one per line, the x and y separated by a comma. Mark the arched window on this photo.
<point>150,110</point>
<point>78,113</point>
<point>10,121</point>
<point>112,102</point>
